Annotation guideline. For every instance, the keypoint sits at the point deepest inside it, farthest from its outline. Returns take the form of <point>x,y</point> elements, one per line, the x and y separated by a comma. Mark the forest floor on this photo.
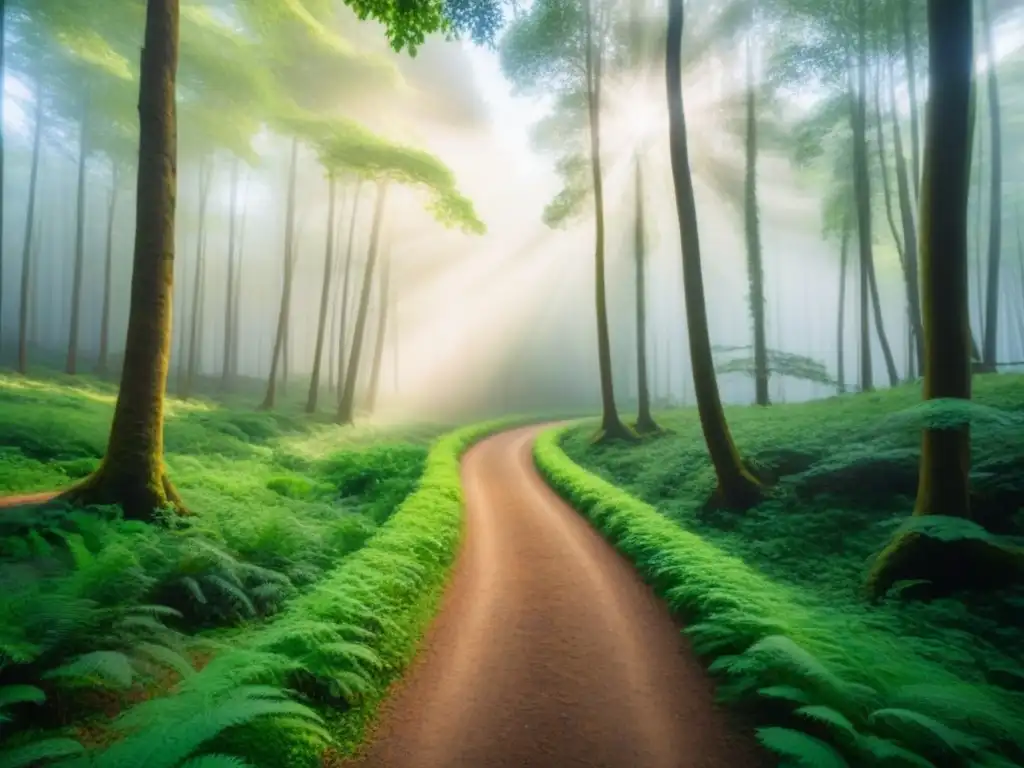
<point>548,649</point>
<point>846,472</point>
<point>278,501</point>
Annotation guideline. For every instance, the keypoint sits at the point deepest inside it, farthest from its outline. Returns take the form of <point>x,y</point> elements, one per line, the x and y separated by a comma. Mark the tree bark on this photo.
<point>382,326</point>
<point>944,480</point>
<point>883,338</point>
<point>989,348</point>
<point>737,487</point>
<point>645,423</point>
<point>3,76</point>
<point>752,226</point>
<point>229,298</point>
<point>195,340</point>
<point>910,244</point>
<point>132,473</point>
<point>612,427</point>
<point>236,322</point>
<point>844,259</point>
<point>108,271</point>
<point>346,405</point>
<point>325,299</point>
<point>286,289</point>
<point>71,365</point>
<point>30,220</point>
<point>345,290</point>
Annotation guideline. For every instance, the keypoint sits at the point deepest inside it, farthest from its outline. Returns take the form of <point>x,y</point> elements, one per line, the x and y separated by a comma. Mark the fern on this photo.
<point>216,761</point>
<point>926,734</point>
<point>107,668</point>
<point>44,750</point>
<point>882,752</point>
<point>11,695</point>
<point>801,749</point>
<point>834,721</point>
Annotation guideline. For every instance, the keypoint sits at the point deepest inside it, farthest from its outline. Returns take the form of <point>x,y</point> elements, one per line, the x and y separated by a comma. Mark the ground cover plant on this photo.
<point>777,592</point>
<point>99,613</point>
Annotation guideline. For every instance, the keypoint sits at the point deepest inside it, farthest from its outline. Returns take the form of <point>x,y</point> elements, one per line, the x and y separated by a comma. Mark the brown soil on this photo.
<point>27,499</point>
<point>549,651</point>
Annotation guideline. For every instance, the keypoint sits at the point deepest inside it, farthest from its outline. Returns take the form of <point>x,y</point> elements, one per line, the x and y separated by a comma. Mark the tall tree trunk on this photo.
<point>915,128</point>
<point>108,271</point>
<point>752,226</point>
<point>286,288</point>
<point>325,299</point>
<point>345,290</point>
<point>611,425</point>
<point>883,339</point>
<point>181,356</point>
<point>979,216</point>
<point>737,488</point>
<point>229,299</point>
<point>236,302</point>
<point>862,189</point>
<point>844,259</point>
<point>910,244</point>
<point>989,348</point>
<point>30,220</point>
<point>346,405</point>
<point>645,423</point>
<point>382,327</point>
<point>194,340</point>
<point>71,366</point>
<point>944,482</point>
<point>132,473</point>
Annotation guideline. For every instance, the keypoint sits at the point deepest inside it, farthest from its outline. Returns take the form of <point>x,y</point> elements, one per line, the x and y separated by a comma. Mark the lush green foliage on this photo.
<point>775,593</point>
<point>99,615</point>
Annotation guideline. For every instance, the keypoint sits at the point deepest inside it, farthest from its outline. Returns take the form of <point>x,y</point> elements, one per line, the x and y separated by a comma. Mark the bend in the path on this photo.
<point>548,649</point>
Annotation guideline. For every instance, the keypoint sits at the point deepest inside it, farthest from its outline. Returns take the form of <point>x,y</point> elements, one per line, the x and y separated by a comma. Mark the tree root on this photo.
<point>140,498</point>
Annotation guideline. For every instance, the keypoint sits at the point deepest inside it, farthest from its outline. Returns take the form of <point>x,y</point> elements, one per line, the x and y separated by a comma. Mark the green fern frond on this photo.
<point>109,668</point>
<point>165,656</point>
<point>36,752</point>
<point>834,720</point>
<point>233,591</point>
<point>353,651</point>
<point>785,693</point>
<point>926,734</point>
<point>801,749</point>
<point>878,751</point>
<point>20,694</point>
<point>194,589</point>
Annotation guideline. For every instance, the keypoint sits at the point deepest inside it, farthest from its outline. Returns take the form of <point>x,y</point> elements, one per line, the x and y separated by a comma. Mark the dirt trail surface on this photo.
<point>548,650</point>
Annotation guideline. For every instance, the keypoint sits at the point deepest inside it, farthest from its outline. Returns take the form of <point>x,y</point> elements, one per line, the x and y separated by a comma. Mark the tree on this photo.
<point>30,218</point>
<point>132,473</point>
<point>645,423</point>
<point>944,480</point>
<point>564,44</point>
<point>989,349</point>
<point>384,309</point>
<point>325,298</point>
<point>737,487</point>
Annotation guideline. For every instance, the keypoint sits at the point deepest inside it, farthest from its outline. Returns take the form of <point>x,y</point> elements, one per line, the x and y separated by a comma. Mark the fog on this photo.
<point>504,321</point>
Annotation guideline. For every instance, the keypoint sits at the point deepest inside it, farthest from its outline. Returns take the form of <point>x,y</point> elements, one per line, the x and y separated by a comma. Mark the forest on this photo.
<point>492,383</point>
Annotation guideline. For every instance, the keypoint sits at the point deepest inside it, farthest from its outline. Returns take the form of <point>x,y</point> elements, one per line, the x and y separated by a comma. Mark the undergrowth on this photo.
<point>98,614</point>
<point>309,604</point>
<point>775,592</point>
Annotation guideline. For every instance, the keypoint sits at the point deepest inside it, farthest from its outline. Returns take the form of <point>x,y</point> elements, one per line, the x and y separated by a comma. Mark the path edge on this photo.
<point>754,636</point>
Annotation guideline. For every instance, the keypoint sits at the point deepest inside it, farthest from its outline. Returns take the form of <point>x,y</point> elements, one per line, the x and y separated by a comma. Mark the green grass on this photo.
<point>776,591</point>
<point>266,627</point>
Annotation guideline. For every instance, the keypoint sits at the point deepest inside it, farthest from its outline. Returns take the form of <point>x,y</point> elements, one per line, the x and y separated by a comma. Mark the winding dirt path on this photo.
<point>548,652</point>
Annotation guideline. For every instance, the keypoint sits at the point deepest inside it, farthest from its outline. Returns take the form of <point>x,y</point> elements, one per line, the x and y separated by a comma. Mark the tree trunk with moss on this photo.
<point>286,288</point>
<point>325,300</point>
<point>612,427</point>
<point>645,423</point>
<point>944,479</point>
<point>347,402</point>
<point>752,228</point>
<point>737,487</point>
<point>71,365</point>
<point>911,66</point>
<point>108,273</point>
<point>989,345</point>
<point>30,220</point>
<point>132,473</point>
<point>844,258</point>
<point>382,327</point>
